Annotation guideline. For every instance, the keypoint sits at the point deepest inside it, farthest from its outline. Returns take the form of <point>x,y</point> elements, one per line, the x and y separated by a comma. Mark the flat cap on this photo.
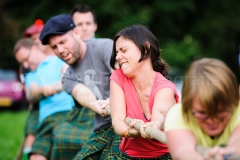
<point>56,25</point>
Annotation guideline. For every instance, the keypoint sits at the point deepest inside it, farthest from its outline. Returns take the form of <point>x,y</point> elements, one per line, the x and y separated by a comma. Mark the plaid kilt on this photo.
<point>102,145</point>
<point>31,125</point>
<point>69,136</point>
<point>44,138</point>
<point>124,156</point>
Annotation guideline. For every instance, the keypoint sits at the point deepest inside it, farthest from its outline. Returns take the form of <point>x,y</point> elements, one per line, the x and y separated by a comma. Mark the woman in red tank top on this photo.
<point>139,90</point>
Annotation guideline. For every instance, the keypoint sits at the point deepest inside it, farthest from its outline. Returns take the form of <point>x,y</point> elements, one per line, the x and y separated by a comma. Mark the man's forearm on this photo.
<point>34,93</point>
<point>46,90</point>
<point>86,100</point>
<point>84,96</point>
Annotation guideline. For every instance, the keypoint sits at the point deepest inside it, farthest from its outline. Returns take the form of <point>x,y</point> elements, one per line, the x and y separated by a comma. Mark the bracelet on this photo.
<point>125,134</point>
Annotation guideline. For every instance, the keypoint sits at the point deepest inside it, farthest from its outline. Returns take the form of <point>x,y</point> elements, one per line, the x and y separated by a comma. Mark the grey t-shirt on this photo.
<point>93,71</point>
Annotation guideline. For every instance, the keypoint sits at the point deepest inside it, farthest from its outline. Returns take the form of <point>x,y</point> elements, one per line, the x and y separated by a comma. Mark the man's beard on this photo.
<point>76,51</point>
<point>75,63</point>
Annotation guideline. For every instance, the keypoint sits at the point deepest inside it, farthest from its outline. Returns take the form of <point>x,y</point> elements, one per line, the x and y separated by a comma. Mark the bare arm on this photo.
<point>118,111</point>
<point>182,145</point>
<point>163,101</point>
<point>235,139</point>
<point>117,108</point>
<point>233,146</point>
<point>84,96</point>
<point>35,91</point>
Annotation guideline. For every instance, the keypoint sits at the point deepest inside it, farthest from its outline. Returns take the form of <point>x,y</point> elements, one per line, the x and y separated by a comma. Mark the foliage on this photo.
<point>181,53</point>
<point>214,25</point>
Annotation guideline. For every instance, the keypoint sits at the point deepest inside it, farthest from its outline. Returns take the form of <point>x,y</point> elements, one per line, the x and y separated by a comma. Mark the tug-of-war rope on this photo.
<point>152,132</point>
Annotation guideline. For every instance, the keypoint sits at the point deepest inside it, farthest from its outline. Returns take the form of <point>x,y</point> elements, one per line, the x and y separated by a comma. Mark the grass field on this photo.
<point>11,132</point>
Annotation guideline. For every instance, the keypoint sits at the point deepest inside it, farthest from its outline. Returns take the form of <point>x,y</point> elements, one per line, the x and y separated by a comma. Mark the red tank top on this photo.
<point>140,147</point>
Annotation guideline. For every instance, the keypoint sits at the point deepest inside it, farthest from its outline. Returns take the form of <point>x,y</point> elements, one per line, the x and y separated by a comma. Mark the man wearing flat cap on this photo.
<point>67,141</point>
<point>86,79</point>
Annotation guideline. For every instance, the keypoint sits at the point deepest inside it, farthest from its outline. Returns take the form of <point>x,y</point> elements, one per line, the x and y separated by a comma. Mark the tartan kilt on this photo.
<point>124,156</point>
<point>44,138</point>
<point>69,136</point>
<point>31,125</point>
<point>102,145</point>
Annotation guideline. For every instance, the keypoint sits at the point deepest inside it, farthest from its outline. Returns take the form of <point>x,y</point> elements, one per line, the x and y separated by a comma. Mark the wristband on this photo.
<point>125,134</point>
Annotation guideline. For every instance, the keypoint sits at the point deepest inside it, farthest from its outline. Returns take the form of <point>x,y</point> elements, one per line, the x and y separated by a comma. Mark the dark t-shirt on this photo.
<point>93,71</point>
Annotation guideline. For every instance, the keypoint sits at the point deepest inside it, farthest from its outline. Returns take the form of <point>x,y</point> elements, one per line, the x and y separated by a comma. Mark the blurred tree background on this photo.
<point>186,30</point>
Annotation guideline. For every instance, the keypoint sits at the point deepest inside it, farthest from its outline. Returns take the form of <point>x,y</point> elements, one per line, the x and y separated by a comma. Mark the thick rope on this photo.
<point>160,135</point>
<point>152,132</point>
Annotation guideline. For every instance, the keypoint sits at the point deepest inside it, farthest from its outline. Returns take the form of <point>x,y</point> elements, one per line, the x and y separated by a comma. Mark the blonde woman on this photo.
<point>208,115</point>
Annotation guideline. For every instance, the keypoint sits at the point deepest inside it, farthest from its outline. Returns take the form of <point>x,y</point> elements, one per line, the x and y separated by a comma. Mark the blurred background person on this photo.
<point>34,32</point>
<point>85,20</point>
<point>43,84</point>
<point>208,114</point>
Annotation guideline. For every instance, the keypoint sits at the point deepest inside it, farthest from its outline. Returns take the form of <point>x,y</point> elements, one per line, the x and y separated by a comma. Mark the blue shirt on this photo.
<point>48,72</point>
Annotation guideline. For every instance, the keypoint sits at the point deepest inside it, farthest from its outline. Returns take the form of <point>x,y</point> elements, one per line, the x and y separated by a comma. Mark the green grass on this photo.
<point>11,133</point>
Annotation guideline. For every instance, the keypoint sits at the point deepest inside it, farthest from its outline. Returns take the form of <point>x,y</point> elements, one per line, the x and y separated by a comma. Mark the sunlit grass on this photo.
<point>11,133</point>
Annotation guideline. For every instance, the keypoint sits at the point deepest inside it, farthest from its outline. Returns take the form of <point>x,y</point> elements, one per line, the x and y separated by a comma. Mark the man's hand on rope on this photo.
<point>45,90</point>
<point>100,106</point>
